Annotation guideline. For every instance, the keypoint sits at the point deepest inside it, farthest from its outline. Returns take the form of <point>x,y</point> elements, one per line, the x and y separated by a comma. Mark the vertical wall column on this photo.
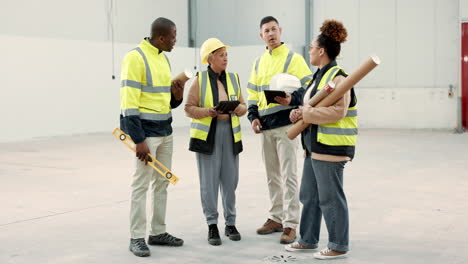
<point>309,27</point>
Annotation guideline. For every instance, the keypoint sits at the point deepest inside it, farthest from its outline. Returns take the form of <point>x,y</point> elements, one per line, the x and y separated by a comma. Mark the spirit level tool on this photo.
<point>157,166</point>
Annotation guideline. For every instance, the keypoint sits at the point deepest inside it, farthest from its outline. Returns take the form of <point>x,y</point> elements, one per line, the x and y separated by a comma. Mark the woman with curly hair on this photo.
<point>329,144</point>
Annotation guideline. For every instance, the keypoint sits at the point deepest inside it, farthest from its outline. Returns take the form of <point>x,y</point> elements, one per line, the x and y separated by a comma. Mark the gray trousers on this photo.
<point>322,194</point>
<point>219,170</point>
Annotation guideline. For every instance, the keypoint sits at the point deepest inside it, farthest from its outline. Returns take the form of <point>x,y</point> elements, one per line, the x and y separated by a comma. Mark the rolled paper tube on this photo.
<point>338,92</point>
<point>322,93</point>
<point>184,76</point>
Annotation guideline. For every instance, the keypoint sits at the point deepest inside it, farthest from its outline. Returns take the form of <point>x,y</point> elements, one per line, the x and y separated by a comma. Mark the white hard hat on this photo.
<point>285,82</point>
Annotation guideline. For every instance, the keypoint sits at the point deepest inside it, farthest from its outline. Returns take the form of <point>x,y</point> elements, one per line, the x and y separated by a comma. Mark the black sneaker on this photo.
<point>139,248</point>
<point>165,239</point>
<point>213,235</point>
<point>231,232</point>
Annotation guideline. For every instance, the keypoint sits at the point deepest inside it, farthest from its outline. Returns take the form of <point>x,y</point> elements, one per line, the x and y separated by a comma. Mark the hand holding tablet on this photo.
<point>271,94</point>
<point>226,106</point>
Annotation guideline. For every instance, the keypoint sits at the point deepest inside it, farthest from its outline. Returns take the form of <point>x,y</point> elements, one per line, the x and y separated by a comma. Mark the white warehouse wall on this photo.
<point>71,93</point>
<point>238,22</point>
<point>90,19</point>
<point>418,43</point>
<point>464,10</point>
<point>57,61</point>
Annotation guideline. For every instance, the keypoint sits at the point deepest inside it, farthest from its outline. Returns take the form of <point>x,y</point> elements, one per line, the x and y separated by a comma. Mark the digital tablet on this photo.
<point>271,94</point>
<point>226,106</point>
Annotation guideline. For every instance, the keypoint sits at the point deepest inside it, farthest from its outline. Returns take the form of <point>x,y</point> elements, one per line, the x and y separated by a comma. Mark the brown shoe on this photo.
<point>288,236</point>
<point>269,227</point>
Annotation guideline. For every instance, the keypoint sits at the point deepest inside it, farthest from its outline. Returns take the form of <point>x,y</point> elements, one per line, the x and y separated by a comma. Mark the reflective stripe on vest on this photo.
<point>199,128</point>
<point>154,105</point>
<point>272,107</point>
<point>344,131</point>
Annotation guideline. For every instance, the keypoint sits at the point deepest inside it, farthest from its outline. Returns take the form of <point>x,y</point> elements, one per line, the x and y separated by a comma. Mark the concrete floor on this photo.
<point>66,200</point>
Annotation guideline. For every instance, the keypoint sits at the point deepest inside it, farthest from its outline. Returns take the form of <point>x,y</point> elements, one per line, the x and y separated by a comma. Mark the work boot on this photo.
<point>288,236</point>
<point>165,239</point>
<point>269,227</point>
<point>213,235</point>
<point>139,248</point>
<point>231,232</point>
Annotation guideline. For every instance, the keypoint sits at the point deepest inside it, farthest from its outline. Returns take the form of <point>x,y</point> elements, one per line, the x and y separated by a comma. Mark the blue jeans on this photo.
<point>322,194</point>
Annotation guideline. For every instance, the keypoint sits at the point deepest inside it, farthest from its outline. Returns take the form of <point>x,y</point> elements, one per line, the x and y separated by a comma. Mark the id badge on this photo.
<point>233,97</point>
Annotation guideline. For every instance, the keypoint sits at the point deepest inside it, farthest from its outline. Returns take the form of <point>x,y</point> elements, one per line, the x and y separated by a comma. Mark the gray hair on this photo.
<point>210,56</point>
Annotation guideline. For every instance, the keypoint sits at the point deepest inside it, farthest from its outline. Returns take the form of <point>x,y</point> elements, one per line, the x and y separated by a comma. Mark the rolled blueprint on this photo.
<point>320,95</point>
<point>337,93</point>
<point>184,76</point>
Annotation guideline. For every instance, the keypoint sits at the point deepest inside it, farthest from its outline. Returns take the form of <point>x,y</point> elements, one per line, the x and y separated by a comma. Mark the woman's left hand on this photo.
<point>295,115</point>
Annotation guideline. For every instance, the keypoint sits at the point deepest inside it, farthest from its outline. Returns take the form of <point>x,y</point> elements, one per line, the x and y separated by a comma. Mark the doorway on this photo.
<point>464,75</point>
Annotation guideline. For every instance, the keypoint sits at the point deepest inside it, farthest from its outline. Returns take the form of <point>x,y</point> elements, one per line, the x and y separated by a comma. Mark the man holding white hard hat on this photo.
<point>272,121</point>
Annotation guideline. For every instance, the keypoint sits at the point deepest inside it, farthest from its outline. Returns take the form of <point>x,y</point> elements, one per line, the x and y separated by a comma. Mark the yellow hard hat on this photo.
<point>209,46</point>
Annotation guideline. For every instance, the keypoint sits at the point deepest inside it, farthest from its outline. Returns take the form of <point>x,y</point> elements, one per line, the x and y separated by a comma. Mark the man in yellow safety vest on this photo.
<point>147,96</point>
<point>272,121</point>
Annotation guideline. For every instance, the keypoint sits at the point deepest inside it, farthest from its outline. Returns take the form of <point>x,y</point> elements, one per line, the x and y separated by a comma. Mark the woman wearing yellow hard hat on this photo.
<point>215,104</point>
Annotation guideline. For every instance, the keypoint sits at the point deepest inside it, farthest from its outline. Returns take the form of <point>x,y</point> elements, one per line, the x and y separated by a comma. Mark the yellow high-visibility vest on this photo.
<point>279,60</point>
<point>199,128</point>
<point>146,86</point>
<point>344,131</point>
